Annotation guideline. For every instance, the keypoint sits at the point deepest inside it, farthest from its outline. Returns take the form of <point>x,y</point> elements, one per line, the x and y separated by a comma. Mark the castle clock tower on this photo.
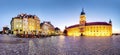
<point>82,23</point>
<point>82,18</point>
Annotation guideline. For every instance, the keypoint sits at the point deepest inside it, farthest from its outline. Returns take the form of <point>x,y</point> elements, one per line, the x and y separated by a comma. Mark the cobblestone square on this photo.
<point>59,45</point>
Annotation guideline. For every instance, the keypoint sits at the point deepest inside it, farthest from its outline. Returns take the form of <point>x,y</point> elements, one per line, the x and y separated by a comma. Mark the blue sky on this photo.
<point>62,13</point>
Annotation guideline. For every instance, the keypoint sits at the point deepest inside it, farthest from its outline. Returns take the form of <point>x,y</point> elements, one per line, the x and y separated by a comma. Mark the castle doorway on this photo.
<point>81,34</point>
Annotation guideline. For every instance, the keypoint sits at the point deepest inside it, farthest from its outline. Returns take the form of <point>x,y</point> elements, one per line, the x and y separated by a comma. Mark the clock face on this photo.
<point>82,17</point>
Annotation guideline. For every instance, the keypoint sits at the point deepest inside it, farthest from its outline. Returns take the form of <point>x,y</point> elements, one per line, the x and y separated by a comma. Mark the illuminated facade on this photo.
<point>89,28</point>
<point>25,24</point>
<point>58,31</point>
<point>47,28</point>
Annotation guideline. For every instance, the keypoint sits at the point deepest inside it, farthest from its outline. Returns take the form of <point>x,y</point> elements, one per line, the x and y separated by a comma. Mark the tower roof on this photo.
<point>82,13</point>
<point>110,21</point>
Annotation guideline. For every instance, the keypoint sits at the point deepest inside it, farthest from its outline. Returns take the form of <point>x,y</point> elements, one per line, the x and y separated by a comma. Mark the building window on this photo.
<point>17,26</point>
<point>20,25</point>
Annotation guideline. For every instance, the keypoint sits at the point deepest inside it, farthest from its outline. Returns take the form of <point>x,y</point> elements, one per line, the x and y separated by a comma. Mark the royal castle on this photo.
<point>85,28</point>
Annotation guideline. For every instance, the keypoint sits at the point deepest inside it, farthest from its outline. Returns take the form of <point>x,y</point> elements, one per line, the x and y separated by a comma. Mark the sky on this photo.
<point>62,13</point>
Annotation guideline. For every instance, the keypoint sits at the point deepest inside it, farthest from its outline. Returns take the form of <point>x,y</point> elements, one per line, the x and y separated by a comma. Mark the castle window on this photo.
<point>91,31</point>
<point>97,30</point>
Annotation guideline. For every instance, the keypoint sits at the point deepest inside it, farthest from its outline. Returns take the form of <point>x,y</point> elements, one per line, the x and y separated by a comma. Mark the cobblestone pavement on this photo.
<point>59,45</point>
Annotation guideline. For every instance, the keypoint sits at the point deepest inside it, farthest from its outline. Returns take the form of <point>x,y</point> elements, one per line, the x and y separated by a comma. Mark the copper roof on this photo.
<point>90,23</point>
<point>97,23</point>
<point>76,25</point>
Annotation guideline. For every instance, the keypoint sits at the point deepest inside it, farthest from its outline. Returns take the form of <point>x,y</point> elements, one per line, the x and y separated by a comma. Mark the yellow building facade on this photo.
<point>25,24</point>
<point>89,28</point>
